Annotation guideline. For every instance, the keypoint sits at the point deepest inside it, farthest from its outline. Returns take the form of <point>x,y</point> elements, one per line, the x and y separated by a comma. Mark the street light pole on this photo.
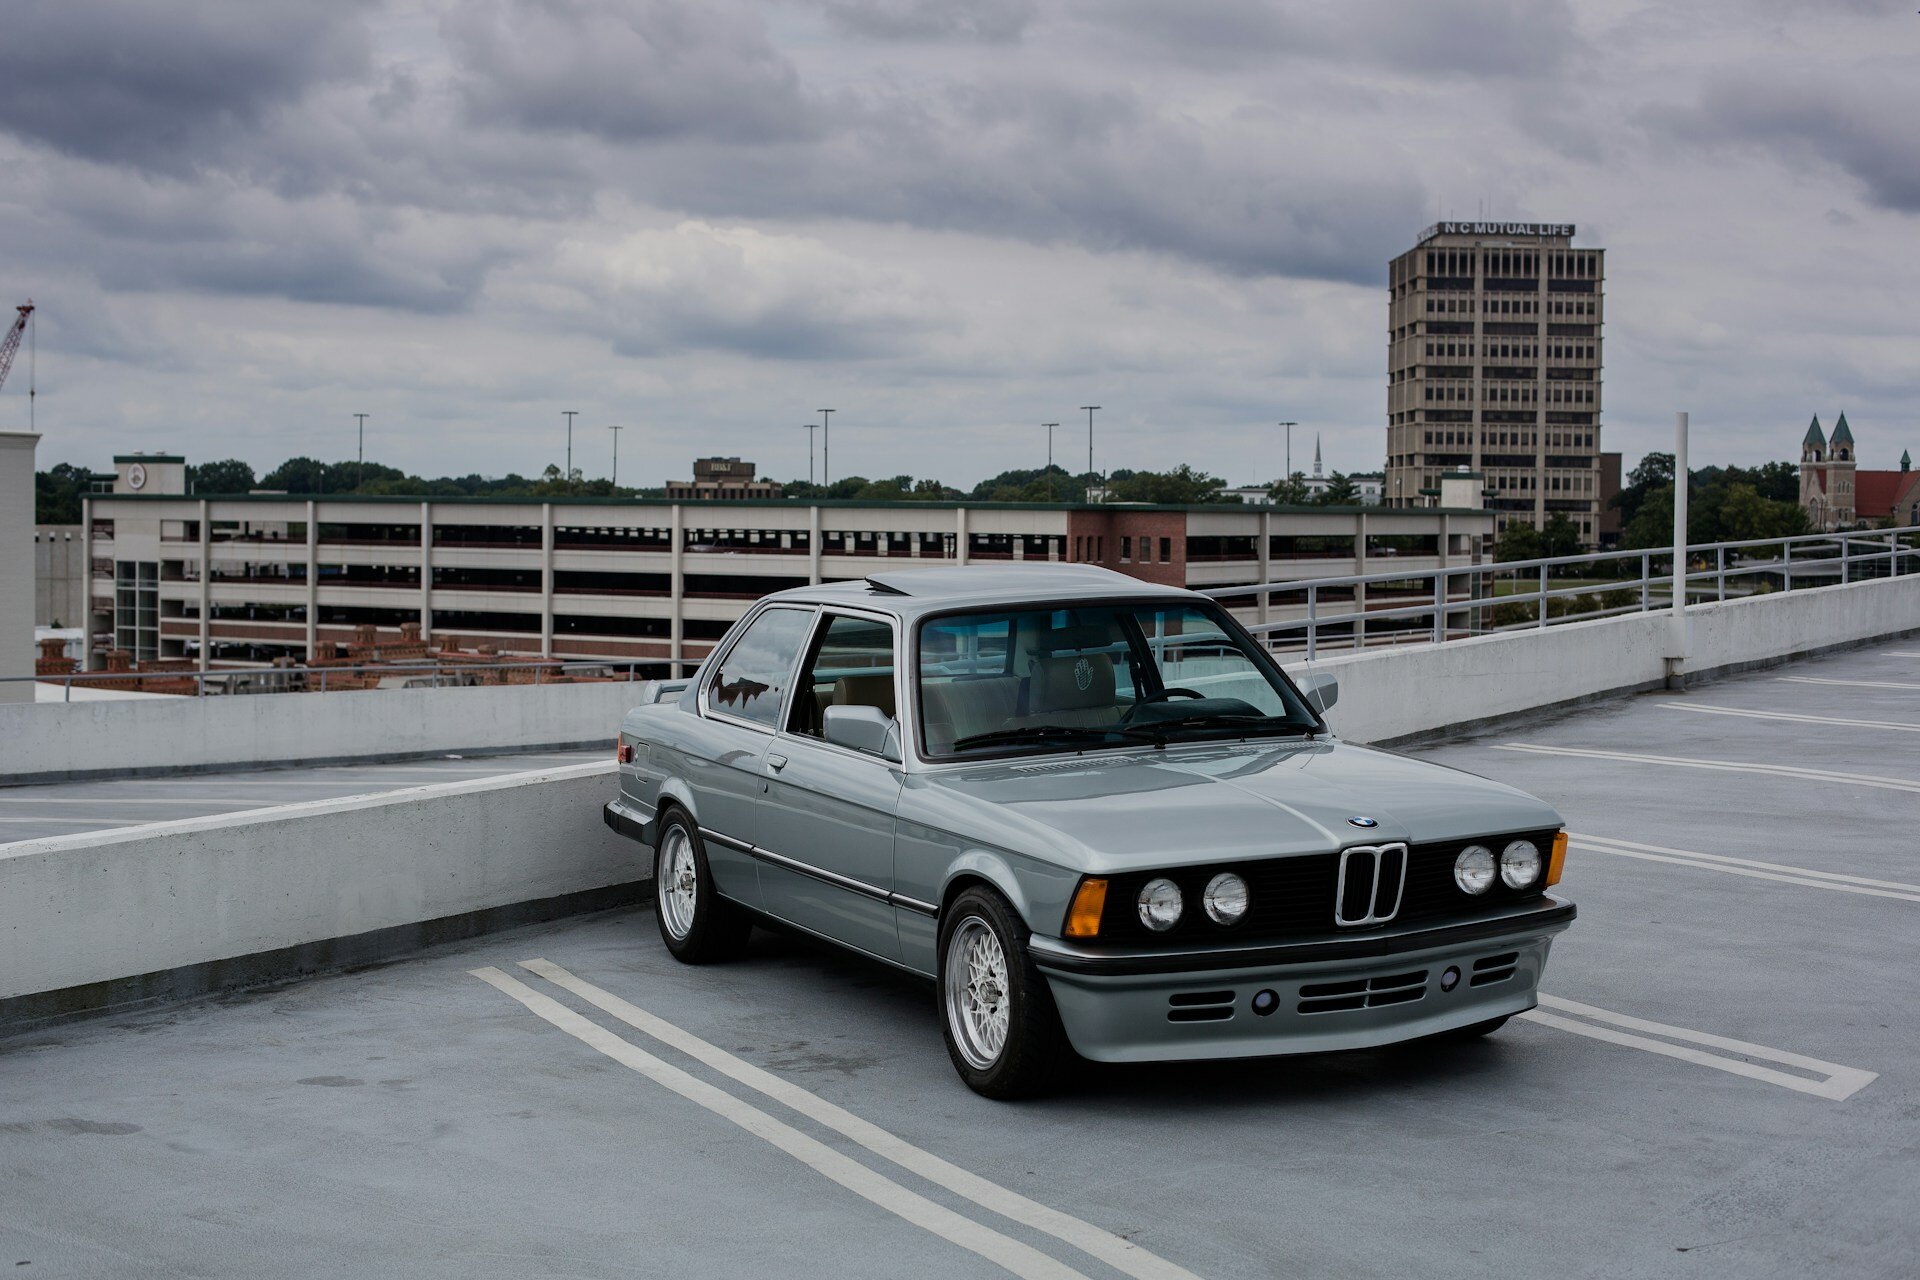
<point>1289,426</point>
<point>1051,487</point>
<point>1089,408</point>
<point>616,455</point>
<point>362,417</point>
<point>826,446</point>
<point>570,415</point>
<point>811,428</point>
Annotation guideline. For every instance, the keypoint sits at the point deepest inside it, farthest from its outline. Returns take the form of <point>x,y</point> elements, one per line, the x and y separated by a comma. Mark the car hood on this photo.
<point>1113,811</point>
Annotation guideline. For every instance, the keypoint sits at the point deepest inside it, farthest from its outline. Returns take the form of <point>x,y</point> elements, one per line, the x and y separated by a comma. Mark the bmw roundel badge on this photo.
<point>1364,822</point>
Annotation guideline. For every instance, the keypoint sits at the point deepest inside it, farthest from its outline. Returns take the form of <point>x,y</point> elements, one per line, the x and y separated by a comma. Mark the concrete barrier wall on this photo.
<point>1385,694</point>
<point>1391,694</point>
<point>175,908</point>
<point>52,740</point>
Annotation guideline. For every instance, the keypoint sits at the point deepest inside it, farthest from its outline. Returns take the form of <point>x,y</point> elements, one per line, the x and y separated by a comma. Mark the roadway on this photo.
<point>1724,1081</point>
<point>64,808</point>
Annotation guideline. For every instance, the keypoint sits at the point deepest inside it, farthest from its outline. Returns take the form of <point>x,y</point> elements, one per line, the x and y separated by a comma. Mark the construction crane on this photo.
<point>10,348</point>
<point>10,345</point>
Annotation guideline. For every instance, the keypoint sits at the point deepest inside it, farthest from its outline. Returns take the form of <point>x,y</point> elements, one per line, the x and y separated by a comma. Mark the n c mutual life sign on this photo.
<point>1497,229</point>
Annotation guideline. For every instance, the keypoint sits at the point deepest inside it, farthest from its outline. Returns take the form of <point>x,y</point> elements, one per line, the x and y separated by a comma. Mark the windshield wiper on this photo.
<point>1053,733</point>
<point>1231,720</point>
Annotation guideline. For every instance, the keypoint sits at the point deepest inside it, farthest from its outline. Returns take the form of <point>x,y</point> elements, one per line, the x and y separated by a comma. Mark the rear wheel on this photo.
<point>696,923</point>
<point>1002,1029</point>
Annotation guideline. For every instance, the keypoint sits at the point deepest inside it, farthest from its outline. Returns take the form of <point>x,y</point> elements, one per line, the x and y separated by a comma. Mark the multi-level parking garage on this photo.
<point>249,579</point>
<point>1720,1081</point>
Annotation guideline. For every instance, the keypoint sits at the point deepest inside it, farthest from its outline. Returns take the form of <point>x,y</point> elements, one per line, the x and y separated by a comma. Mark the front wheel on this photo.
<point>1476,1031</point>
<point>1002,1029</point>
<point>698,926</point>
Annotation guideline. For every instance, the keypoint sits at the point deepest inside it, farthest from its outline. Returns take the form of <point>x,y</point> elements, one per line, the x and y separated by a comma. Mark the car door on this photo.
<point>827,825</point>
<point>741,701</point>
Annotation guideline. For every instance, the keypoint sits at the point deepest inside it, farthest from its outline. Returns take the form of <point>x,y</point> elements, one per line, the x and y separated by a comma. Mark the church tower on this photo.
<point>1813,475</point>
<point>1840,468</point>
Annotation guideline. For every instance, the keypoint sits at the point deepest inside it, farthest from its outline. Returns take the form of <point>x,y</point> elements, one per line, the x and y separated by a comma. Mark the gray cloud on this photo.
<point>1498,38</point>
<point>986,21</point>
<point>625,70</point>
<point>133,232</point>
<point>152,85</point>
<point>701,287</point>
<point>1864,127</point>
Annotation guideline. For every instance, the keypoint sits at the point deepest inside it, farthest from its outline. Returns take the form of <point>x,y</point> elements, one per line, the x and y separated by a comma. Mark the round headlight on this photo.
<point>1520,864</point>
<point>1473,869</point>
<point>1160,905</point>
<point>1225,898</point>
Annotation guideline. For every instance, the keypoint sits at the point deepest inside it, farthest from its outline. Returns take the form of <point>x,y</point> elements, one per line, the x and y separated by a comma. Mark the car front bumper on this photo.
<point>1352,992</point>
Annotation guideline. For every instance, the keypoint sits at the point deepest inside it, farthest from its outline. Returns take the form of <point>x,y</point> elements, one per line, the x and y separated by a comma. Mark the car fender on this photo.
<point>996,870</point>
<point>674,790</point>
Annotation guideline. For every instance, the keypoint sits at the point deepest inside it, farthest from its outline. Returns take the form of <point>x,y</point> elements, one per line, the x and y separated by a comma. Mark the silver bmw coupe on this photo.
<point>1095,812</point>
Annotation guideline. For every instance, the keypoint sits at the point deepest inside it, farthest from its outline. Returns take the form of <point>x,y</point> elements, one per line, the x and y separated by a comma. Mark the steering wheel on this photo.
<point>1162,696</point>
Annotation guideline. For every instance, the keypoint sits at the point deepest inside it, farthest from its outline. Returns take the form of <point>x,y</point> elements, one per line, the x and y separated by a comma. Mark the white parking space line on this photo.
<point>1895,725</point>
<point>1724,766</point>
<point>1834,1081</point>
<point>65,822</point>
<point>1001,1250</point>
<point>202,801</point>
<point>179,784</point>
<point>1122,1255</point>
<point>1804,877</point>
<point>1852,684</point>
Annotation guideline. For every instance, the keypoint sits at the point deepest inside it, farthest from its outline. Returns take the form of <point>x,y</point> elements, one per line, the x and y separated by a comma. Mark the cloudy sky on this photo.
<point>951,220</point>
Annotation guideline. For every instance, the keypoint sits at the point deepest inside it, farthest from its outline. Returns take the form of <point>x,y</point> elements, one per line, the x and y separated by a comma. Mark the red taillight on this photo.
<point>624,753</point>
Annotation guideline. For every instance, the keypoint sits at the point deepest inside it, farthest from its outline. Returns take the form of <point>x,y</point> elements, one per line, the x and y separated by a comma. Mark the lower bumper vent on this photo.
<point>1363,993</point>
<point>1200,1006</point>
<point>1490,969</point>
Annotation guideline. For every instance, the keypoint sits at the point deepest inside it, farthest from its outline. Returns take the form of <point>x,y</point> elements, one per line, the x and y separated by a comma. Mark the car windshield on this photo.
<point>1109,675</point>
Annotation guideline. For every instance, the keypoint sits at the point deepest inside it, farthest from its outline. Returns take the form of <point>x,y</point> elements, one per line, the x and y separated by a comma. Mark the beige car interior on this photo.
<point>1078,688</point>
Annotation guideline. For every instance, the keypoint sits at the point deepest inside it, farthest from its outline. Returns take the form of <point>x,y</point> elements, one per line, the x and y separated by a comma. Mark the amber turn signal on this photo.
<point>1559,858</point>
<point>623,752</point>
<point>1089,900</point>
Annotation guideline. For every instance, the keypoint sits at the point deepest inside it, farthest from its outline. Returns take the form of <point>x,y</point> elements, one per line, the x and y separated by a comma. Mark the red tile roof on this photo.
<point>1874,492</point>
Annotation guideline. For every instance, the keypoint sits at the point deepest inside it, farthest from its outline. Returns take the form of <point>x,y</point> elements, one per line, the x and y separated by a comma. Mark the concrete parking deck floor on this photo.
<point>63,808</point>
<point>1724,1084</point>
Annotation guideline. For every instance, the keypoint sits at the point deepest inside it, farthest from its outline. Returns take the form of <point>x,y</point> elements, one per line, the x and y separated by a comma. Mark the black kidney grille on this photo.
<point>1294,897</point>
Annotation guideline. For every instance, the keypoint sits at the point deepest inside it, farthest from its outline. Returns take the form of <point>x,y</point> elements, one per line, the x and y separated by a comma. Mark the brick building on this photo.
<point>1838,495</point>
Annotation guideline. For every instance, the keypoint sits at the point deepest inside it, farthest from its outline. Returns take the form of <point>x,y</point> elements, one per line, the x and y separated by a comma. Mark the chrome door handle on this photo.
<point>776,761</point>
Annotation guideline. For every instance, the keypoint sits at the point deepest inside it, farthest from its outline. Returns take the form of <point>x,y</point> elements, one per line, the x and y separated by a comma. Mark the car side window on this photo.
<point>851,666</point>
<point>751,682</point>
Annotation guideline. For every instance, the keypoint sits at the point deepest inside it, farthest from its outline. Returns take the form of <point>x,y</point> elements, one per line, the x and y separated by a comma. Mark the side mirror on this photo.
<point>867,729</point>
<point>1320,690</point>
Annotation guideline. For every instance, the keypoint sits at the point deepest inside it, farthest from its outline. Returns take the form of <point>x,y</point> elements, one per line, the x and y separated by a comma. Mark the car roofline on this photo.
<point>912,593</point>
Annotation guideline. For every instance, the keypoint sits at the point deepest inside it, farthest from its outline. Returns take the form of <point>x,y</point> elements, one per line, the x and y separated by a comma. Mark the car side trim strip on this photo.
<point>1059,957</point>
<point>833,878</point>
<point>738,846</point>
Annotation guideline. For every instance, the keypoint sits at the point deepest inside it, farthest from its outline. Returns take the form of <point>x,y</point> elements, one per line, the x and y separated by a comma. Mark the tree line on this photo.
<point>1724,504</point>
<point>60,489</point>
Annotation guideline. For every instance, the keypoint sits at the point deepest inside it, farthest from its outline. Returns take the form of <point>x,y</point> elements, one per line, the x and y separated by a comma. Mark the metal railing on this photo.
<point>223,681</point>
<point>1457,601</point>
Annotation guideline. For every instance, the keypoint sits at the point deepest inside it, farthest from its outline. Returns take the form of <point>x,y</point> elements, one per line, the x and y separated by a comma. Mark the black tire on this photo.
<point>1477,1031</point>
<point>1033,1053</point>
<point>708,928</point>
